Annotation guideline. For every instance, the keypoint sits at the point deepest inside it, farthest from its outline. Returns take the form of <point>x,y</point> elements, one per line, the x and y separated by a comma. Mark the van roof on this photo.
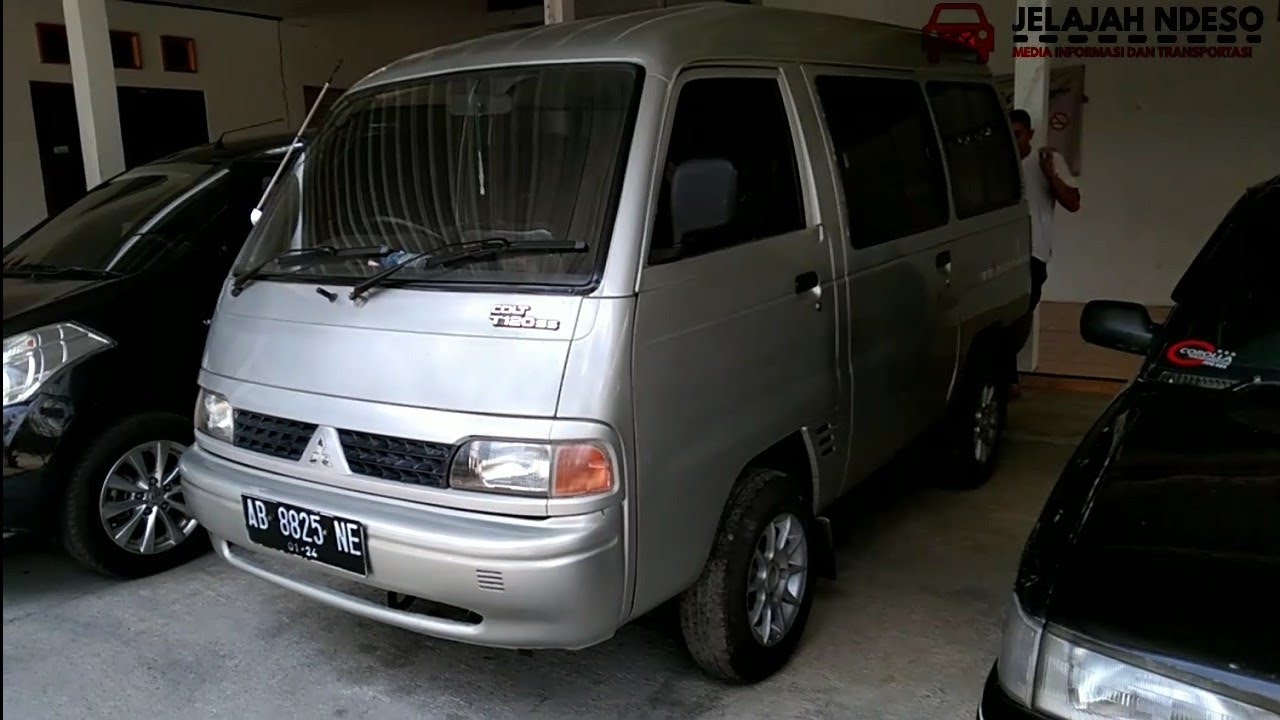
<point>664,41</point>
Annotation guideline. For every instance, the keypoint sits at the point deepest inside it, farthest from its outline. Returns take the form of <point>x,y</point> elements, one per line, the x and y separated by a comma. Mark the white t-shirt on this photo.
<point>1040,201</point>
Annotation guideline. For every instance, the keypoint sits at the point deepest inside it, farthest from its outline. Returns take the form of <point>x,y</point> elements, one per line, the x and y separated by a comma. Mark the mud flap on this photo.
<point>396,601</point>
<point>825,560</point>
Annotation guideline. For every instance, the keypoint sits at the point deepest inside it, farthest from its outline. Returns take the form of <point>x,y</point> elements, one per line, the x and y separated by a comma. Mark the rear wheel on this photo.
<point>124,513</point>
<point>976,422</point>
<point>743,618</point>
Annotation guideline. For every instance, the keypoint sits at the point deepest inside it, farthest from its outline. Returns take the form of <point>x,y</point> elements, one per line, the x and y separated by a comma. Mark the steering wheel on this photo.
<point>413,227</point>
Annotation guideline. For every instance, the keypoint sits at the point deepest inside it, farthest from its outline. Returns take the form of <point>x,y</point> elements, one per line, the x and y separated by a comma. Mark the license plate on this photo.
<point>317,536</point>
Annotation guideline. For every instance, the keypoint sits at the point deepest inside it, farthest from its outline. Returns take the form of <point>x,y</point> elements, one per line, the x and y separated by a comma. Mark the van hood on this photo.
<point>476,352</point>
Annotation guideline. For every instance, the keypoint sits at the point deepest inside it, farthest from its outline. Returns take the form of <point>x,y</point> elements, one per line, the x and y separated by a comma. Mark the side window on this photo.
<point>742,121</point>
<point>980,154</point>
<point>888,157</point>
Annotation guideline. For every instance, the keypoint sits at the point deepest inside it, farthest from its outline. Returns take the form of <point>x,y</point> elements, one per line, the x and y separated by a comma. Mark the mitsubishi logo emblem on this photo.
<point>325,450</point>
<point>320,455</point>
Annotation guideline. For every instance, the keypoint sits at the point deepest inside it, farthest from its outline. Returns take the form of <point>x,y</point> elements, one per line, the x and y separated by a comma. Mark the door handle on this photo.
<point>942,260</point>
<point>806,281</point>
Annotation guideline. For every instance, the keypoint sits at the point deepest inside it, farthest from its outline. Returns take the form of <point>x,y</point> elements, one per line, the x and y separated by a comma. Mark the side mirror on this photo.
<point>1116,325</point>
<point>704,196</point>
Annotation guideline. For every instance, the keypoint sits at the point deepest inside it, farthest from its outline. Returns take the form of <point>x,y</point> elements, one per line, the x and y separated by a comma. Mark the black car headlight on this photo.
<point>1063,679</point>
<point>1077,683</point>
<point>31,358</point>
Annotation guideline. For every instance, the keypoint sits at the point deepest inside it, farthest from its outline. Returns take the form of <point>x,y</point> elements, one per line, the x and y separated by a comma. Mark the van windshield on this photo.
<point>530,153</point>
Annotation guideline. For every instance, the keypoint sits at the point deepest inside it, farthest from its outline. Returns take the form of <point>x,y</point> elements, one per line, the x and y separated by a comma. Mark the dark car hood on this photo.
<point>33,302</point>
<point>1180,544</point>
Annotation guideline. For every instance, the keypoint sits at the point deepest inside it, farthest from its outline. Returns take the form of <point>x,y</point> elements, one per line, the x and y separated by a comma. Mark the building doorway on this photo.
<point>154,122</point>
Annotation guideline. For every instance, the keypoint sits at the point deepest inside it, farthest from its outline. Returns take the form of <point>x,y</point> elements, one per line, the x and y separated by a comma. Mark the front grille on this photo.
<point>390,458</point>
<point>278,437</point>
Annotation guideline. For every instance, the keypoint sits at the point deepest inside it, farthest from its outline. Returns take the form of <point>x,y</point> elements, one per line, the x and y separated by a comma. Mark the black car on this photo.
<point>1145,588</point>
<point>105,314</point>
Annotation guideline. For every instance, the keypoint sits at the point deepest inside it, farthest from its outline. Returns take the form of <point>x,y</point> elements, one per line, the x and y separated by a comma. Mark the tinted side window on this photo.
<point>888,157</point>
<point>743,121</point>
<point>980,153</point>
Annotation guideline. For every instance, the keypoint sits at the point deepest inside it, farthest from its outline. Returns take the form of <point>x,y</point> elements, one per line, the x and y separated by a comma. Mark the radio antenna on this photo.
<point>256,212</point>
<point>219,144</point>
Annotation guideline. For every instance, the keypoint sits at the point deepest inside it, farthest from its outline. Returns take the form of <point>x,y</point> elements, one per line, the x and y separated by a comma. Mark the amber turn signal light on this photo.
<point>581,470</point>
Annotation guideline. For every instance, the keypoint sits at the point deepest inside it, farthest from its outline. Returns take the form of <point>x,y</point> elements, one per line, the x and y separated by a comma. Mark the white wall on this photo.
<point>1168,145</point>
<point>238,72</point>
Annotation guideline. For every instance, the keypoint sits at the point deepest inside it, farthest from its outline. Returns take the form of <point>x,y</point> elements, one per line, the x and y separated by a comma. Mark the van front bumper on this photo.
<point>534,583</point>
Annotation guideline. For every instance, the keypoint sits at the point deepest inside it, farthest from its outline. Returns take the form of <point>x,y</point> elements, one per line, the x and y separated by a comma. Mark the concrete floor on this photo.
<point>909,630</point>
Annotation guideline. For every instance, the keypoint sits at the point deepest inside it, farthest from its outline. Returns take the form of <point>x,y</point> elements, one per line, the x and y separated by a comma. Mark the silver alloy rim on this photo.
<point>141,504</point>
<point>776,579</point>
<point>986,424</point>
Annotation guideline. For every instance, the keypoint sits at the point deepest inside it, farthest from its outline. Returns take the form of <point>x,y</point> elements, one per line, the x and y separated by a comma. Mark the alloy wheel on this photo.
<point>776,580</point>
<point>141,504</point>
<point>986,424</point>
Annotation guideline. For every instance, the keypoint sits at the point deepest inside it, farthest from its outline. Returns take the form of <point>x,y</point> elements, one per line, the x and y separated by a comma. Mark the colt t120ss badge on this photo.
<point>517,316</point>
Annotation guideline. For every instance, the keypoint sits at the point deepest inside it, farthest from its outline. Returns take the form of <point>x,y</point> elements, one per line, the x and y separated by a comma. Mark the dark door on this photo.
<point>154,122</point>
<point>58,138</point>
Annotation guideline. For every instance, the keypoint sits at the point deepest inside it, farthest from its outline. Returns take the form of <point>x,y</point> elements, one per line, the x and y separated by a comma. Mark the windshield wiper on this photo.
<point>1249,383</point>
<point>307,256</point>
<point>469,251</point>
<point>46,269</point>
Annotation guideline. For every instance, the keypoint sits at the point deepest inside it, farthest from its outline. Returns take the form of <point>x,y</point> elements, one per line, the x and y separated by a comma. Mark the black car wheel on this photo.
<point>744,617</point>
<point>124,513</point>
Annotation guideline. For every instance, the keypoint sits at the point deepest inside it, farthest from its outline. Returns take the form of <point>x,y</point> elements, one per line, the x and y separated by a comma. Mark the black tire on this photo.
<point>714,614</point>
<point>983,375</point>
<point>83,534</point>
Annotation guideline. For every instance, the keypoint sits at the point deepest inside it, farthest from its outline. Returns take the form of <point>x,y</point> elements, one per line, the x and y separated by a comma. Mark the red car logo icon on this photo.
<point>977,35</point>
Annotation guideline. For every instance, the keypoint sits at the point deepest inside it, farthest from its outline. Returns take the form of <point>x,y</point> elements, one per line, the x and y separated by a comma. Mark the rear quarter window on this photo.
<point>981,159</point>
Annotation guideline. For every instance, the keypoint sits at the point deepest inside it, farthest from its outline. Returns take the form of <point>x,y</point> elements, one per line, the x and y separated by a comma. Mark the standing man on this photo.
<point>1049,183</point>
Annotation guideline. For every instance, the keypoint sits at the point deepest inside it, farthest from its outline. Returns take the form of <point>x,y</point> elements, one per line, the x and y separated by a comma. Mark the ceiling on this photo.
<point>290,8</point>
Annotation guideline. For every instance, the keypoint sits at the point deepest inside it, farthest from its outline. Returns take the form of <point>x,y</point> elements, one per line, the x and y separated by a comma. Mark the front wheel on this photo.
<point>743,618</point>
<point>124,513</point>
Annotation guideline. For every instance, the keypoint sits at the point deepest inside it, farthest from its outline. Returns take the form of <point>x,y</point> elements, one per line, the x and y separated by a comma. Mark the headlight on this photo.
<point>1019,645</point>
<point>1075,683</point>
<point>555,470</point>
<point>214,416</point>
<point>31,358</point>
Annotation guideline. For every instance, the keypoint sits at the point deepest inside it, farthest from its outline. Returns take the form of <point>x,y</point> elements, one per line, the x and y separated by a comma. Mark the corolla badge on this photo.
<point>518,316</point>
<point>1199,353</point>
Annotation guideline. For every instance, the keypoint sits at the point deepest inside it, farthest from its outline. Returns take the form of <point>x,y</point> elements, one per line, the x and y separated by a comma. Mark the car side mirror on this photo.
<point>704,196</point>
<point>1123,326</point>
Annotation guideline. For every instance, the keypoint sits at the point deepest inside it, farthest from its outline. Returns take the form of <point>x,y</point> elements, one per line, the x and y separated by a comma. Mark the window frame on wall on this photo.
<point>998,192</point>
<point>771,77</point>
<point>133,61</point>
<point>53,47</point>
<point>168,44</point>
<point>933,179</point>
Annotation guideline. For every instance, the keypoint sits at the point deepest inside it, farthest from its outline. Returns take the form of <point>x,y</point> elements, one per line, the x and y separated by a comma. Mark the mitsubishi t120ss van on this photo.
<point>547,328</point>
